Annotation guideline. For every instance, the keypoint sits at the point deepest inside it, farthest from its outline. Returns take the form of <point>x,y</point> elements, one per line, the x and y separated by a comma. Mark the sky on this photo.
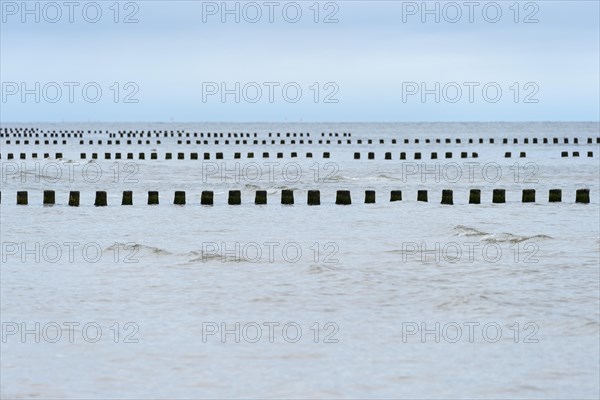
<point>302,61</point>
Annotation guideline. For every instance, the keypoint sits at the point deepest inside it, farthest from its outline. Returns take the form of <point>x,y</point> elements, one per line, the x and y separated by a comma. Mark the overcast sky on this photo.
<point>361,61</point>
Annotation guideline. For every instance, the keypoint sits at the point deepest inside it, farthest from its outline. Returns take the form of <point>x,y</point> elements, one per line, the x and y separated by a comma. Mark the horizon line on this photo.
<point>299,122</point>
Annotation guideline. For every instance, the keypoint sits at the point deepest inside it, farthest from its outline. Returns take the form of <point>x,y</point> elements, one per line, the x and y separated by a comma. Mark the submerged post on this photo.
<point>100,199</point>
<point>369,196</point>
<point>287,197</point>
<point>447,197</point>
<point>475,196</point>
<point>235,198</point>
<point>314,198</point>
<point>49,197</point>
<point>260,198</point>
<point>152,198</point>
<point>206,198</point>
<point>343,197</point>
<point>179,199</point>
<point>582,196</point>
<point>555,196</point>
<point>499,196</point>
<point>22,198</point>
<point>127,198</point>
<point>528,196</point>
<point>74,199</point>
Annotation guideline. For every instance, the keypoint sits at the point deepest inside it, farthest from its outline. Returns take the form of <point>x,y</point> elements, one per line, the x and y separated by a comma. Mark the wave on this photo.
<point>503,237</point>
<point>140,249</point>
<point>462,230</point>
<point>250,186</point>
<point>200,256</point>
<point>510,238</point>
<point>338,178</point>
<point>390,178</point>
<point>281,187</point>
<point>194,256</point>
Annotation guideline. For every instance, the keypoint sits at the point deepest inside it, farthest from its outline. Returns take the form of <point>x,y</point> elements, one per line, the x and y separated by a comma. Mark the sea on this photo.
<point>384,299</point>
